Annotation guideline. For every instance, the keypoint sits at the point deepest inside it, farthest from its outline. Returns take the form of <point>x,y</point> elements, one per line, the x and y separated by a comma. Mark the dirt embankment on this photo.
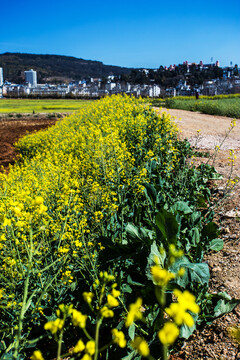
<point>11,129</point>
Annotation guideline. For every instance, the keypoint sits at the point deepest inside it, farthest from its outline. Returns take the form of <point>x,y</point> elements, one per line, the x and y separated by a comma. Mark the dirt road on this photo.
<point>212,132</point>
<point>213,342</point>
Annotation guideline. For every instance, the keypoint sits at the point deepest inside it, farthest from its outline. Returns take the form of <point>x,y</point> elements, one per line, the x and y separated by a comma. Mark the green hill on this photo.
<point>52,68</point>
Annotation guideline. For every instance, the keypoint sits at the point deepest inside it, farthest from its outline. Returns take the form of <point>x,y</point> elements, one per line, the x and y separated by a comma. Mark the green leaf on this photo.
<point>132,282</point>
<point>135,234</point>
<point>132,232</point>
<point>8,356</point>
<point>167,225</point>
<point>216,244</point>
<point>201,201</point>
<point>154,257</point>
<point>195,236</point>
<point>195,218</point>
<point>223,295</point>
<point>130,356</point>
<point>223,307</point>
<point>73,286</point>
<point>194,272</point>
<point>186,331</point>
<point>131,331</point>
<point>181,206</point>
<point>126,288</point>
<point>217,305</point>
<point>210,231</point>
<point>151,193</point>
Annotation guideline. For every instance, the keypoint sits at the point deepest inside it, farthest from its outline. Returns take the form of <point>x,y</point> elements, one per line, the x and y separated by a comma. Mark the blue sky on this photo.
<point>125,33</point>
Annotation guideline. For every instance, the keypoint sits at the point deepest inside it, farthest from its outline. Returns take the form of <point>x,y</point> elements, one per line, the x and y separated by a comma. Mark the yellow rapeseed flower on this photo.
<point>169,333</point>
<point>78,319</point>
<point>54,326</point>
<point>79,346</point>
<point>38,200</point>
<point>119,338</point>
<point>134,312</point>
<point>88,297</point>
<point>90,347</point>
<point>37,355</point>
<point>111,301</point>
<point>141,346</point>
<point>179,310</point>
<point>106,312</point>
<point>179,314</point>
<point>161,276</point>
<point>187,300</point>
<point>86,357</point>
<point>115,293</point>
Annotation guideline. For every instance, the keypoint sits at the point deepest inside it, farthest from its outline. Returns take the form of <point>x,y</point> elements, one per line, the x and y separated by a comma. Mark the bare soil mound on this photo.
<point>11,129</point>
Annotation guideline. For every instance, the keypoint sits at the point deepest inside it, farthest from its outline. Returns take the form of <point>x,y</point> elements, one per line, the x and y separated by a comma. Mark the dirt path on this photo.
<point>213,342</point>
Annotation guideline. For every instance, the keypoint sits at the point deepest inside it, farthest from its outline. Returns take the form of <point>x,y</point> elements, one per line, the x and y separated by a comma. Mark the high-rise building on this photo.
<point>31,77</point>
<point>1,76</point>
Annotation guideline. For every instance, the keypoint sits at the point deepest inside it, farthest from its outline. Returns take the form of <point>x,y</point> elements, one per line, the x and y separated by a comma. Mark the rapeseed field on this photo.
<point>95,218</point>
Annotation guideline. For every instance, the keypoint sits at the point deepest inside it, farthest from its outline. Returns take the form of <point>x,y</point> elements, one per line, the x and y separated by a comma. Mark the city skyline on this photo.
<point>128,34</point>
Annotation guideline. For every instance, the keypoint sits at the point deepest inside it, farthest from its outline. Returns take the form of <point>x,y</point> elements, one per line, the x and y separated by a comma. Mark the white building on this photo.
<point>31,77</point>
<point>156,90</point>
<point>110,86</point>
<point>1,81</point>
<point>1,76</point>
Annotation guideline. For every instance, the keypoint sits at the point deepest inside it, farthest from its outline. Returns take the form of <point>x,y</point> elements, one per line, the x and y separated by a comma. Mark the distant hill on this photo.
<point>54,68</point>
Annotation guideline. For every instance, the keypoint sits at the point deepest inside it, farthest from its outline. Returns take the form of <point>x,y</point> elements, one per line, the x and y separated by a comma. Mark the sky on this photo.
<point>129,33</point>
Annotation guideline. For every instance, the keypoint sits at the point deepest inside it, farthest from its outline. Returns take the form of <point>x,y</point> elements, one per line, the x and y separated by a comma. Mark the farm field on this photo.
<point>109,212</point>
<point>21,106</point>
<point>224,106</point>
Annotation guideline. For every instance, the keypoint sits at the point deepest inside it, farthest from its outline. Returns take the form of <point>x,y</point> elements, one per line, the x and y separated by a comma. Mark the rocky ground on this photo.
<point>213,341</point>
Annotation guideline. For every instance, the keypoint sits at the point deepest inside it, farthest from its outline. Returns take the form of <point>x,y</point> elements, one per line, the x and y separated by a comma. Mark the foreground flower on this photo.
<point>54,326</point>
<point>141,346</point>
<point>78,319</point>
<point>134,312</point>
<point>169,333</point>
<point>179,311</point>
<point>88,297</point>
<point>119,338</point>
<point>187,300</point>
<point>106,312</point>
<point>90,347</point>
<point>161,276</point>
<point>112,302</point>
<point>86,357</point>
<point>115,293</point>
<point>37,355</point>
<point>179,314</point>
<point>79,347</point>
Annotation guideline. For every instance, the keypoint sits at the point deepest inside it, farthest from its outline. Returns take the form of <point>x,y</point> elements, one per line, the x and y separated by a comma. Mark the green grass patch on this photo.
<point>229,107</point>
<point>40,105</point>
